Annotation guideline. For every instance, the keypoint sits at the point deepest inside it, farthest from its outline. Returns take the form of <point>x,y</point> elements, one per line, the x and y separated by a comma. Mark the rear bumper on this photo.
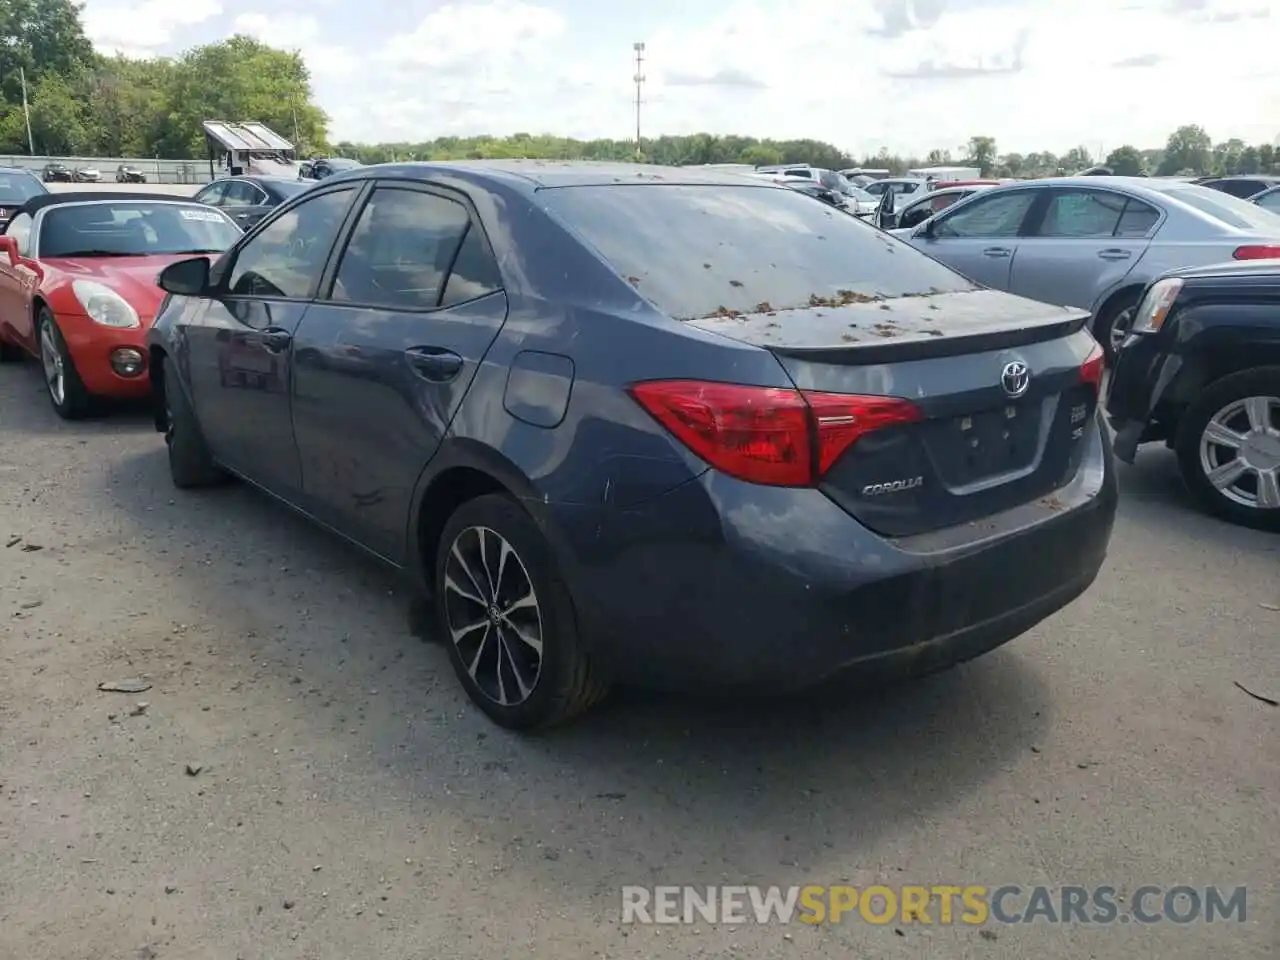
<point>719,584</point>
<point>91,344</point>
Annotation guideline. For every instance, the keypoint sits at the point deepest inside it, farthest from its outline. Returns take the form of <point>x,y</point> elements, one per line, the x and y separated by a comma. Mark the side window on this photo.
<point>996,216</point>
<point>1271,201</point>
<point>213,194</point>
<point>241,193</point>
<point>475,272</point>
<point>400,250</point>
<point>287,258</point>
<point>1081,214</point>
<point>20,229</point>
<point>905,188</point>
<point>1137,220</point>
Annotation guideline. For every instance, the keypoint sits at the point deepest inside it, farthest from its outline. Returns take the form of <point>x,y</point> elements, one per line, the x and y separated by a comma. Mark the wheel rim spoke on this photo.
<point>1258,410</point>
<point>1223,436</point>
<point>499,641</point>
<point>1225,476</point>
<point>1269,489</point>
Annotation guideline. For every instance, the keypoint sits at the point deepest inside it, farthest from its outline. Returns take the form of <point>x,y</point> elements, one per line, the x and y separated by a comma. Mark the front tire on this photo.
<point>508,620</point>
<point>191,465</point>
<point>1228,447</point>
<point>67,393</point>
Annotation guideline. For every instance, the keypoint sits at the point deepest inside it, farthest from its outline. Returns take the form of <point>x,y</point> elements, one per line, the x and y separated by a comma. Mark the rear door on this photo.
<point>1083,242</point>
<point>980,239</point>
<point>245,202</point>
<point>383,360</point>
<point>240,345</point>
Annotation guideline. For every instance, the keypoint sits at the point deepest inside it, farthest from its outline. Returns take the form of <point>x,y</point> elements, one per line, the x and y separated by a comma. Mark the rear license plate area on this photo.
<point>973,447</point>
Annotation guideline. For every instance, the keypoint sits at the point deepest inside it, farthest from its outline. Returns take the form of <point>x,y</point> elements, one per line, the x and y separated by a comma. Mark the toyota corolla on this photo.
<point>629,423</point>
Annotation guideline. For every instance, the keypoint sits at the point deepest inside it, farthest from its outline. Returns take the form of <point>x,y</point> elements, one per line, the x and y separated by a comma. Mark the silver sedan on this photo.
<point>1093,242</point>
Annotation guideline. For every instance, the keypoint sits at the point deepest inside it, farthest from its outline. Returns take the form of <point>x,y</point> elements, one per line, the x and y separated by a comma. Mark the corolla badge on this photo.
<point>1015,378</point>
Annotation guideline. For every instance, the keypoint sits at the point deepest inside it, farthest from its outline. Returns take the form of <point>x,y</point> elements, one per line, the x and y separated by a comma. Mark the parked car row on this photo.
<point>448,363</point>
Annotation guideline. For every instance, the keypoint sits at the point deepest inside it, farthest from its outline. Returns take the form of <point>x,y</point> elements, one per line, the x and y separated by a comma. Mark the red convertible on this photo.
<point>78,286</point>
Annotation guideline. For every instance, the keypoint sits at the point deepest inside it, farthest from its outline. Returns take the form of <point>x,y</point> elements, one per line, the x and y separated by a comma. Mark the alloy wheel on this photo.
<point>55,375</point>
<point>1240,452</point>
<point>1120,327</point>
<point>492,614</point>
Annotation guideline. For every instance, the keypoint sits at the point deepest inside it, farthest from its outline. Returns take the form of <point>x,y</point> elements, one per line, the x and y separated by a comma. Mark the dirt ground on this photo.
<point>303,778</point>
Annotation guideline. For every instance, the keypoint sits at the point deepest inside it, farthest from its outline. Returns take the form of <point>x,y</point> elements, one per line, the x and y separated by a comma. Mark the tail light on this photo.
<point>1258,251</point>
<point>1092,368</point>
<point>768,435</point>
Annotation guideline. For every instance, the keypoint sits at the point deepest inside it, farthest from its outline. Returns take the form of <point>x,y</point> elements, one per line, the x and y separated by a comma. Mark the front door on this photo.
<point>241,346</point>
<point>979,239</point>
<point>1085,243</point>
<point>381,363</point>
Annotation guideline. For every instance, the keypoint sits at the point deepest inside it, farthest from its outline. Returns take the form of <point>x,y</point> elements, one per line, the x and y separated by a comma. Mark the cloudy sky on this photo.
<point>910,75</point>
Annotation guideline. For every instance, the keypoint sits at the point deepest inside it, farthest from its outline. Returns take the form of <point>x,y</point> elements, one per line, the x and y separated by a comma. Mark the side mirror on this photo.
<point>186,278</point>
<point>10,246</point>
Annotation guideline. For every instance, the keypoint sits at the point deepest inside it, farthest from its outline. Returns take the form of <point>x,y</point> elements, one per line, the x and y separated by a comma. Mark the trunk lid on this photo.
<point>986,440</point>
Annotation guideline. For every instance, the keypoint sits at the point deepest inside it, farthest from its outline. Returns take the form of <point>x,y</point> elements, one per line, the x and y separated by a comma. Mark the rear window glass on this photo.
<point>18,188</point>
<point>696,251</point>
<point>1230,210</point>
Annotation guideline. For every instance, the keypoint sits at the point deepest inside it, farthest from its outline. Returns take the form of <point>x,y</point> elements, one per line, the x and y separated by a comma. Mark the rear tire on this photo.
<point>66,391</point>
<point>1114,322</point>
<point>1224,408</point>
<point>508,620</point>
<point>191,465</point>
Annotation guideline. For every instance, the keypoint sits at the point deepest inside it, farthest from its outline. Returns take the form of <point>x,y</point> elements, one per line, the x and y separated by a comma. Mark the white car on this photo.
<point>87,174</point>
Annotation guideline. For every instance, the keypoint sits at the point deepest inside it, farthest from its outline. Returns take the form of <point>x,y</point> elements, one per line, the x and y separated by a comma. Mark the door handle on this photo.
<point>1114,253</point>
<point>996,252</point>
<point>275,339</point>
<point>434,363</point>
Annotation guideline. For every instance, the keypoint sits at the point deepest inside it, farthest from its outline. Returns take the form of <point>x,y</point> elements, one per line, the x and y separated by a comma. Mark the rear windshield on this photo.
<point>18,188</point>
<point>131,228</point>
<point>696,251</point>
<point>1233,211</point>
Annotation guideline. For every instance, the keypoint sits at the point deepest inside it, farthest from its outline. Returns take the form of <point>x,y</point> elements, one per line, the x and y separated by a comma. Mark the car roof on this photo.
<point>16,170</point>
<point>533,175</point>
<point>97,196</point>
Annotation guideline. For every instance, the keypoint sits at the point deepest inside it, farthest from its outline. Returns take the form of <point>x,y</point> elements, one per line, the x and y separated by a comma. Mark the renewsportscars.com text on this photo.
<point>942,904</point>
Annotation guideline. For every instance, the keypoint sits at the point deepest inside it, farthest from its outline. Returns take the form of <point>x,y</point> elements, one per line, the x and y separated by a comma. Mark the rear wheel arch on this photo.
<point>448,490</point>
<point>1126,296</point>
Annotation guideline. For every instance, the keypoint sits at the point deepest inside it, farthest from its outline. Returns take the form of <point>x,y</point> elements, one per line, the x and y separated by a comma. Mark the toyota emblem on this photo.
<point>1015,378</point>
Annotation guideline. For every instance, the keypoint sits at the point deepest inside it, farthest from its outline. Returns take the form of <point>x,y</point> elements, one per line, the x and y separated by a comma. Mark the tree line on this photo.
<point>82,103</point>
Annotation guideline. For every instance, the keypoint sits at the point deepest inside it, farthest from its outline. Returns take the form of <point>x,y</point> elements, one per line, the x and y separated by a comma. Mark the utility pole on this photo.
<point>26,113</point>
<point>638,47</point>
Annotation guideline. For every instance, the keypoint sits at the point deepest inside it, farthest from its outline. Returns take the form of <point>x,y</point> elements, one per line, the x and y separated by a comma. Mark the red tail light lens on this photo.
<point>1257,252</point>
<point>766,435</point>
<point>1092,368</point>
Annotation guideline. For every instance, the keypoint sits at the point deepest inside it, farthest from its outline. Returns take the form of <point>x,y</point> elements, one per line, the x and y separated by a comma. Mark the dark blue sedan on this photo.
<point>627,423</point>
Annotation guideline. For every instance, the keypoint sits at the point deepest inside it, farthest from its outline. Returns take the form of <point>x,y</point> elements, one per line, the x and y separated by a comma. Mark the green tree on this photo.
<point>39,37</point>
<point>1126,161</point>
<point>1076,159</point>
<point>982,153</point>
<point>1189,148</point>
<point>57,118</point>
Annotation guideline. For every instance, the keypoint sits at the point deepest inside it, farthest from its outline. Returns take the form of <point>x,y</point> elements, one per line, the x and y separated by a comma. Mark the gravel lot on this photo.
<point>348,803</point>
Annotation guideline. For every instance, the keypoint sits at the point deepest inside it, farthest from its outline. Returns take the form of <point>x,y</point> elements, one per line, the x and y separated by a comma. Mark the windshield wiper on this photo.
<point>197,250</point>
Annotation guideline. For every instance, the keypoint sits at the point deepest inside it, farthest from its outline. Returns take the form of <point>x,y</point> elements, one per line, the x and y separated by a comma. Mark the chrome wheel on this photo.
<point>492,614</point>
<point>1121,324</point>
<point>1240,452</point>
<point>55,375</point>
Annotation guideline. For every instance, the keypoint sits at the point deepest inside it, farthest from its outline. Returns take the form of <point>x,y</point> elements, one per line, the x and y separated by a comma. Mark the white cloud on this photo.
<point>910,75</point>
<point>143,28</point>
<point>302,33</point>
